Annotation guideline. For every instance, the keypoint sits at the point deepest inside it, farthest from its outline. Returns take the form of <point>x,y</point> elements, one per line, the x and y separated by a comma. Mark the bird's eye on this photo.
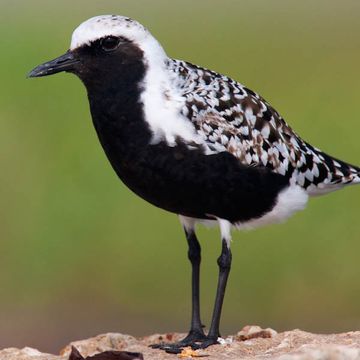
<point>110,43</point>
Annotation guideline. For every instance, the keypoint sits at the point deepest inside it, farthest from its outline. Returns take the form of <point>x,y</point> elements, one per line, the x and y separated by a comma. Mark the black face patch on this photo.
<point>109,60</point>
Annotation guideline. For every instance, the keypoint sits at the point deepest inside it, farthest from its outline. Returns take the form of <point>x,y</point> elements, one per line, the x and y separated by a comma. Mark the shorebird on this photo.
<point>193,142</point>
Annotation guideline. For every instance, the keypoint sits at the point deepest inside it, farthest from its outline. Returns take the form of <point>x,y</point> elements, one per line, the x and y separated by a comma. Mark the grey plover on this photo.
<point>193,142</point>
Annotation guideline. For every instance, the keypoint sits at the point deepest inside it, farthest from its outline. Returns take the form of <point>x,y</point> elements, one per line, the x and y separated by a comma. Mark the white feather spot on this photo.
<point>265,131</point>
<point>264,158</point>
<point>248,158</point>
<point>316,171</point>
<point>309,175</point>
<point>244,130</point>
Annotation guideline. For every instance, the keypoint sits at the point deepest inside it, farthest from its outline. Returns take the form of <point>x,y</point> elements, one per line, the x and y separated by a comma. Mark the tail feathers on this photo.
<point>341,172</point>
<point>330,174</point>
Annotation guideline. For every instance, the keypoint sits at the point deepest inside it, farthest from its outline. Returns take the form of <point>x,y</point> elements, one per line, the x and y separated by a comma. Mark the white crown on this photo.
<point>112,25</point>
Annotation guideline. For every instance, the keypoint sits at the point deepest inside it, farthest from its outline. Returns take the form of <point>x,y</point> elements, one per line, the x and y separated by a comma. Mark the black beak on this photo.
<point>64,62</point>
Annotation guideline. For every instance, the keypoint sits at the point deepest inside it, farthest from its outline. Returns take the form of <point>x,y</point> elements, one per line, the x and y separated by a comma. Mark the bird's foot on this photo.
<point>195,340</point>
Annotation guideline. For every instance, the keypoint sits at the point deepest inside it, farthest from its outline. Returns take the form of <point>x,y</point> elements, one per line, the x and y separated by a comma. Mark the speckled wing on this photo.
<point>232,118</point>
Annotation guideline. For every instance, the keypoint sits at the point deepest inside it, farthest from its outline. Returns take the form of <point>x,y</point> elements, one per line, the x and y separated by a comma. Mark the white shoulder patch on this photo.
<point>163,105</point>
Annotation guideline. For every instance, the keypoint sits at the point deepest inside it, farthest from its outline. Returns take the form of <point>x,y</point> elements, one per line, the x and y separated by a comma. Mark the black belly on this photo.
<point>189,183</point>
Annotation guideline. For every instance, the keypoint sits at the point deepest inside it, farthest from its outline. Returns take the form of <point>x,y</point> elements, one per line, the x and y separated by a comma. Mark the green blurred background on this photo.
<point>80,254</point>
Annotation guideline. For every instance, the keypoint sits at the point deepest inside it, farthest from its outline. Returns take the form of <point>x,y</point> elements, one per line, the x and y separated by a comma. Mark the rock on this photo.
<point>106,355</point>
<point>26,353</point>
<point>252,331</point>
<point>251,342</point>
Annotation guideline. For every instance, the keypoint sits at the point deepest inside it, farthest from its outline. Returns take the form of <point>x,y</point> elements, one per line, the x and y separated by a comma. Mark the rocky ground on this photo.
<point>251,342</point>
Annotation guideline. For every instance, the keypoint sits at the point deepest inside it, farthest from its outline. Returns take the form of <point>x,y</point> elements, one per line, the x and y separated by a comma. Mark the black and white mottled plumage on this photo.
<point>193,142</point>
<point>233,118</point>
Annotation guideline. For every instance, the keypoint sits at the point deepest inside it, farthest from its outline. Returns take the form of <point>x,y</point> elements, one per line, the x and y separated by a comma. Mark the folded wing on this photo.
<point>232,118</point>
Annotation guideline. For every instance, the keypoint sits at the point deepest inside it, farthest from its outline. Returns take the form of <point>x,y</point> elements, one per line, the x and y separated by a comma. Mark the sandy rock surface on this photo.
<point>251,342</point>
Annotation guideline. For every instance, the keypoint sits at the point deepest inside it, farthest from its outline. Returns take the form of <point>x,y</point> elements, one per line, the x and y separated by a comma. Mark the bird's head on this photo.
<point>105,43</point>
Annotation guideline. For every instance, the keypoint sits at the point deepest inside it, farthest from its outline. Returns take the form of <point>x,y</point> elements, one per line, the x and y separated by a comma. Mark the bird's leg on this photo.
<point>196,337</point>
<point>224,262</point>
<point>196,333</point>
